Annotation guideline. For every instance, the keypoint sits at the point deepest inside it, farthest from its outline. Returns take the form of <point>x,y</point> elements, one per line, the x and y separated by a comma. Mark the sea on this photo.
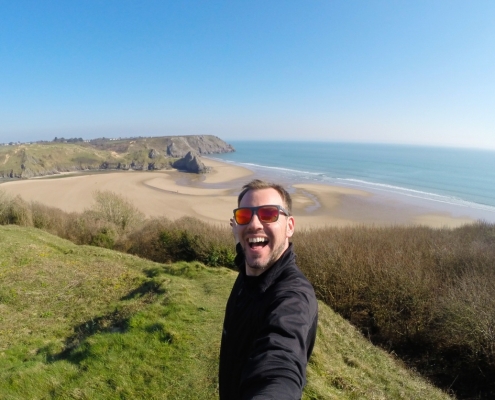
<point>459,181</point>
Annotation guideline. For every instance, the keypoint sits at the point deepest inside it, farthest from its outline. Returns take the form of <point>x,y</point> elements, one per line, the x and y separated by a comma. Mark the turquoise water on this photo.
<point>463,178</point>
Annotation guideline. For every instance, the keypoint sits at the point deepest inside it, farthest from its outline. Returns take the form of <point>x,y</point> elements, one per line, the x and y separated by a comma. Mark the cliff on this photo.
<point>153,153</point>
<point>190,163</point>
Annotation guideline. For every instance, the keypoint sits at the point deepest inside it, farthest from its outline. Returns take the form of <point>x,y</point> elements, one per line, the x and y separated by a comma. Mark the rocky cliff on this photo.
<point>179,146</point>
<point>190,163</point>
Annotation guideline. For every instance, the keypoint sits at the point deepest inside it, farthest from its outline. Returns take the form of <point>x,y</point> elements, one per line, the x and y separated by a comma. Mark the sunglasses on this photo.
<point>266,214</point>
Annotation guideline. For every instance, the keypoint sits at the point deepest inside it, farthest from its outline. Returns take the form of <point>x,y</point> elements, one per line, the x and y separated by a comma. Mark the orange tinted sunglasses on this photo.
<point>266,214</point>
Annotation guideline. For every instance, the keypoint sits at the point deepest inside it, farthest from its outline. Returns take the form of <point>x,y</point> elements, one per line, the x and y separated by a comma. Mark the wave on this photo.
<point>419,194</point>
<point>280,169</point>
<point>302,175</point>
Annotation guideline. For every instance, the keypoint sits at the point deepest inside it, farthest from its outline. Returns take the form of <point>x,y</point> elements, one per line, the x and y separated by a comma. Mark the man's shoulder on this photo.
<point>294,292</point>
<point>292,272</point>
<point>292,279</point>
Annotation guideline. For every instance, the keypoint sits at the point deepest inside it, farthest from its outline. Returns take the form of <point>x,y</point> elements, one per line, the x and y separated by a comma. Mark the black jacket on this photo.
<point>268,334</point>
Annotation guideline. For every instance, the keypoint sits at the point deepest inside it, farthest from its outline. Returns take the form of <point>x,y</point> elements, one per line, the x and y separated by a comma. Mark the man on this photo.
<point>271,316</point>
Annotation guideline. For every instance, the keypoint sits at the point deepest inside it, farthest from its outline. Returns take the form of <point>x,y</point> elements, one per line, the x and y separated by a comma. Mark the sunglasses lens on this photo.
<point>243,216</point>
<point>268,214</point>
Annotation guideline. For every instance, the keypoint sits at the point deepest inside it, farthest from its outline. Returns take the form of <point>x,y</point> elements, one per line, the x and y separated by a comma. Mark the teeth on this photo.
<point>256,240</point>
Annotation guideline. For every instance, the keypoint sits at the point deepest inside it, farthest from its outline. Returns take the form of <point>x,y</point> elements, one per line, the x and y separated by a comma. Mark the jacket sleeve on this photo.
<point>276,368</point>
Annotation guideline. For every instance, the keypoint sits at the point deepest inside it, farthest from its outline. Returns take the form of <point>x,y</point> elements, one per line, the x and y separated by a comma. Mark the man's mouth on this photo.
<point>257,242</point>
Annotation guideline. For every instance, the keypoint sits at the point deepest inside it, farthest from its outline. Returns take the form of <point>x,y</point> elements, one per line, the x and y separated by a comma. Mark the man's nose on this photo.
<point>255,222</point>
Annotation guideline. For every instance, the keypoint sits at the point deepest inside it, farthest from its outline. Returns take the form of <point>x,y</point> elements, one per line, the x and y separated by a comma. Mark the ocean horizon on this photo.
<point>455,180</point>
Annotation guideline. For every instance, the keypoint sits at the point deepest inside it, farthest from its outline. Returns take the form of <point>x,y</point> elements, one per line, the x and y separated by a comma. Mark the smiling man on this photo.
<point>271,317</point>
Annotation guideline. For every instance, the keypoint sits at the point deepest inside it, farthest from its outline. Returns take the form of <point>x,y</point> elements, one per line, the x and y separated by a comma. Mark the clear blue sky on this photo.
<point>420,72</point>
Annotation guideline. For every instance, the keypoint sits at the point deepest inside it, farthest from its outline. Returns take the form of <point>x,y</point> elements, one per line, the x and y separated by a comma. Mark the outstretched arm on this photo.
<point>276,367</point>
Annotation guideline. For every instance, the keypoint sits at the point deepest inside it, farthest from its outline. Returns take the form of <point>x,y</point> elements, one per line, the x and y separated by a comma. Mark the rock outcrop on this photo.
<point>179,146</point>
<point>191,163</point>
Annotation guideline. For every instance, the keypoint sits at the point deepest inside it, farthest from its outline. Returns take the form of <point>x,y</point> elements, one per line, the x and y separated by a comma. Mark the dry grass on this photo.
<point>426,294</point>
<point>344,366</point>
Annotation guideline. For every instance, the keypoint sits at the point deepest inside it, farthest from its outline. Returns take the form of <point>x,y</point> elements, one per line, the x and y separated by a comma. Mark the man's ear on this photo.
<point>234,226</point>
<point>290,226</point>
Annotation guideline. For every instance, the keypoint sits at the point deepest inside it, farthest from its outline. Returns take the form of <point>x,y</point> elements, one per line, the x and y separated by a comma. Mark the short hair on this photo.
<point>258,184</point>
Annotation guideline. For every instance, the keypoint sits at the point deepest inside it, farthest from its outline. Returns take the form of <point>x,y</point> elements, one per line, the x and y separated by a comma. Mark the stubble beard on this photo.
<point>258,264</point>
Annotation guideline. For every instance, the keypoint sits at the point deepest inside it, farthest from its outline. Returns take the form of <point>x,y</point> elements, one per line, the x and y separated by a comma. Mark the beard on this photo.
<point>262,263</point>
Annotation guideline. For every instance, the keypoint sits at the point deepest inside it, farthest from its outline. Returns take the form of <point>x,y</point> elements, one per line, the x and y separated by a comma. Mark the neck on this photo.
<point>255,271</point>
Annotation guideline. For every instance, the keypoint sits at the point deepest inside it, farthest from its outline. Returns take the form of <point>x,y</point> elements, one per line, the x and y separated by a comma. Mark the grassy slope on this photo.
<point>84,322</point>
<point>46,158</point>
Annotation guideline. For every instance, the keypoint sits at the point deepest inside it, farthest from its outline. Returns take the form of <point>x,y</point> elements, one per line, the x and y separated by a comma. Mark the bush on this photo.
<point>427,294</point>
<point>144,241</point>
<point>5,201</point>
<point>111,207</point>
<point>466,318</point>
<point>105,237</point>
<point>14,211</point>
<point>85,229</point>
<point>49,219</point>
<point>186,239</point>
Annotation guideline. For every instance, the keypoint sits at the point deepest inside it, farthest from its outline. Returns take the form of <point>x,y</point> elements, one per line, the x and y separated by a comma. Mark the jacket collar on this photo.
<point>262,282</point>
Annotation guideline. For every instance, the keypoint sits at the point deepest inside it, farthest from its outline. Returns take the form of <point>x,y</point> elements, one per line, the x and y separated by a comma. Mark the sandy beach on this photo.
<point>212,197</point>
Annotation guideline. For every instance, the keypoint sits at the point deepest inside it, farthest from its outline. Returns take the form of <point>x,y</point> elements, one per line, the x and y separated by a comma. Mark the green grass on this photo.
<point>41,159</point>
<point>47,158</point>
<point>79,322</point>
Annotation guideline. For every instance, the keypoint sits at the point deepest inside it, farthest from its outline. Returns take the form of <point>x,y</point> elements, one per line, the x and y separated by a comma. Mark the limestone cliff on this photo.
<point>190,163</point>
<point>181,145</point>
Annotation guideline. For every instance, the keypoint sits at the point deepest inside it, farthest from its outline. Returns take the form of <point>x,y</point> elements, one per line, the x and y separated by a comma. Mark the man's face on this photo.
<point>264,243</point>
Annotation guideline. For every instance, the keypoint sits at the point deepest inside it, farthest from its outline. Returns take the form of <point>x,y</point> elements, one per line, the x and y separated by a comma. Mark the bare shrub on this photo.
<point>5,201</point>
<point>425,293</point>
<point>50,219</point>
<point>117,210</point>
<point>372,276</point>
<point>466,316</point>
<point>14,211</point>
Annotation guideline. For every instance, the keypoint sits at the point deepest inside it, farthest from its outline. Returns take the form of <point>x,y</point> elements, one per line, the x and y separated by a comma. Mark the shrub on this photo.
<point>186,239</point>
<point>14,211</point>
<point>5,201</point>
<point>105,237</point>
<point>424,293</point>
<point>96,232</point>
<point>50,219</point>
<point>466,318</point>
<point>116,209</point>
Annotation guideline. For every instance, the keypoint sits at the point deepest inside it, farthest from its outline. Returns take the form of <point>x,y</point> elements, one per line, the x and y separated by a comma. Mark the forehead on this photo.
<point>260,197</point>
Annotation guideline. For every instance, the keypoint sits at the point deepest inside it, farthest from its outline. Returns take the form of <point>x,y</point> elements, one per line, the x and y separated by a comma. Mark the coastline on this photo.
<point>212,197</point>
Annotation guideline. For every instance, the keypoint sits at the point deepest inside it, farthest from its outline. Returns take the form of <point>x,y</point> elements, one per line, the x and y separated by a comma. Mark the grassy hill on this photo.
<point>80,322</point>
